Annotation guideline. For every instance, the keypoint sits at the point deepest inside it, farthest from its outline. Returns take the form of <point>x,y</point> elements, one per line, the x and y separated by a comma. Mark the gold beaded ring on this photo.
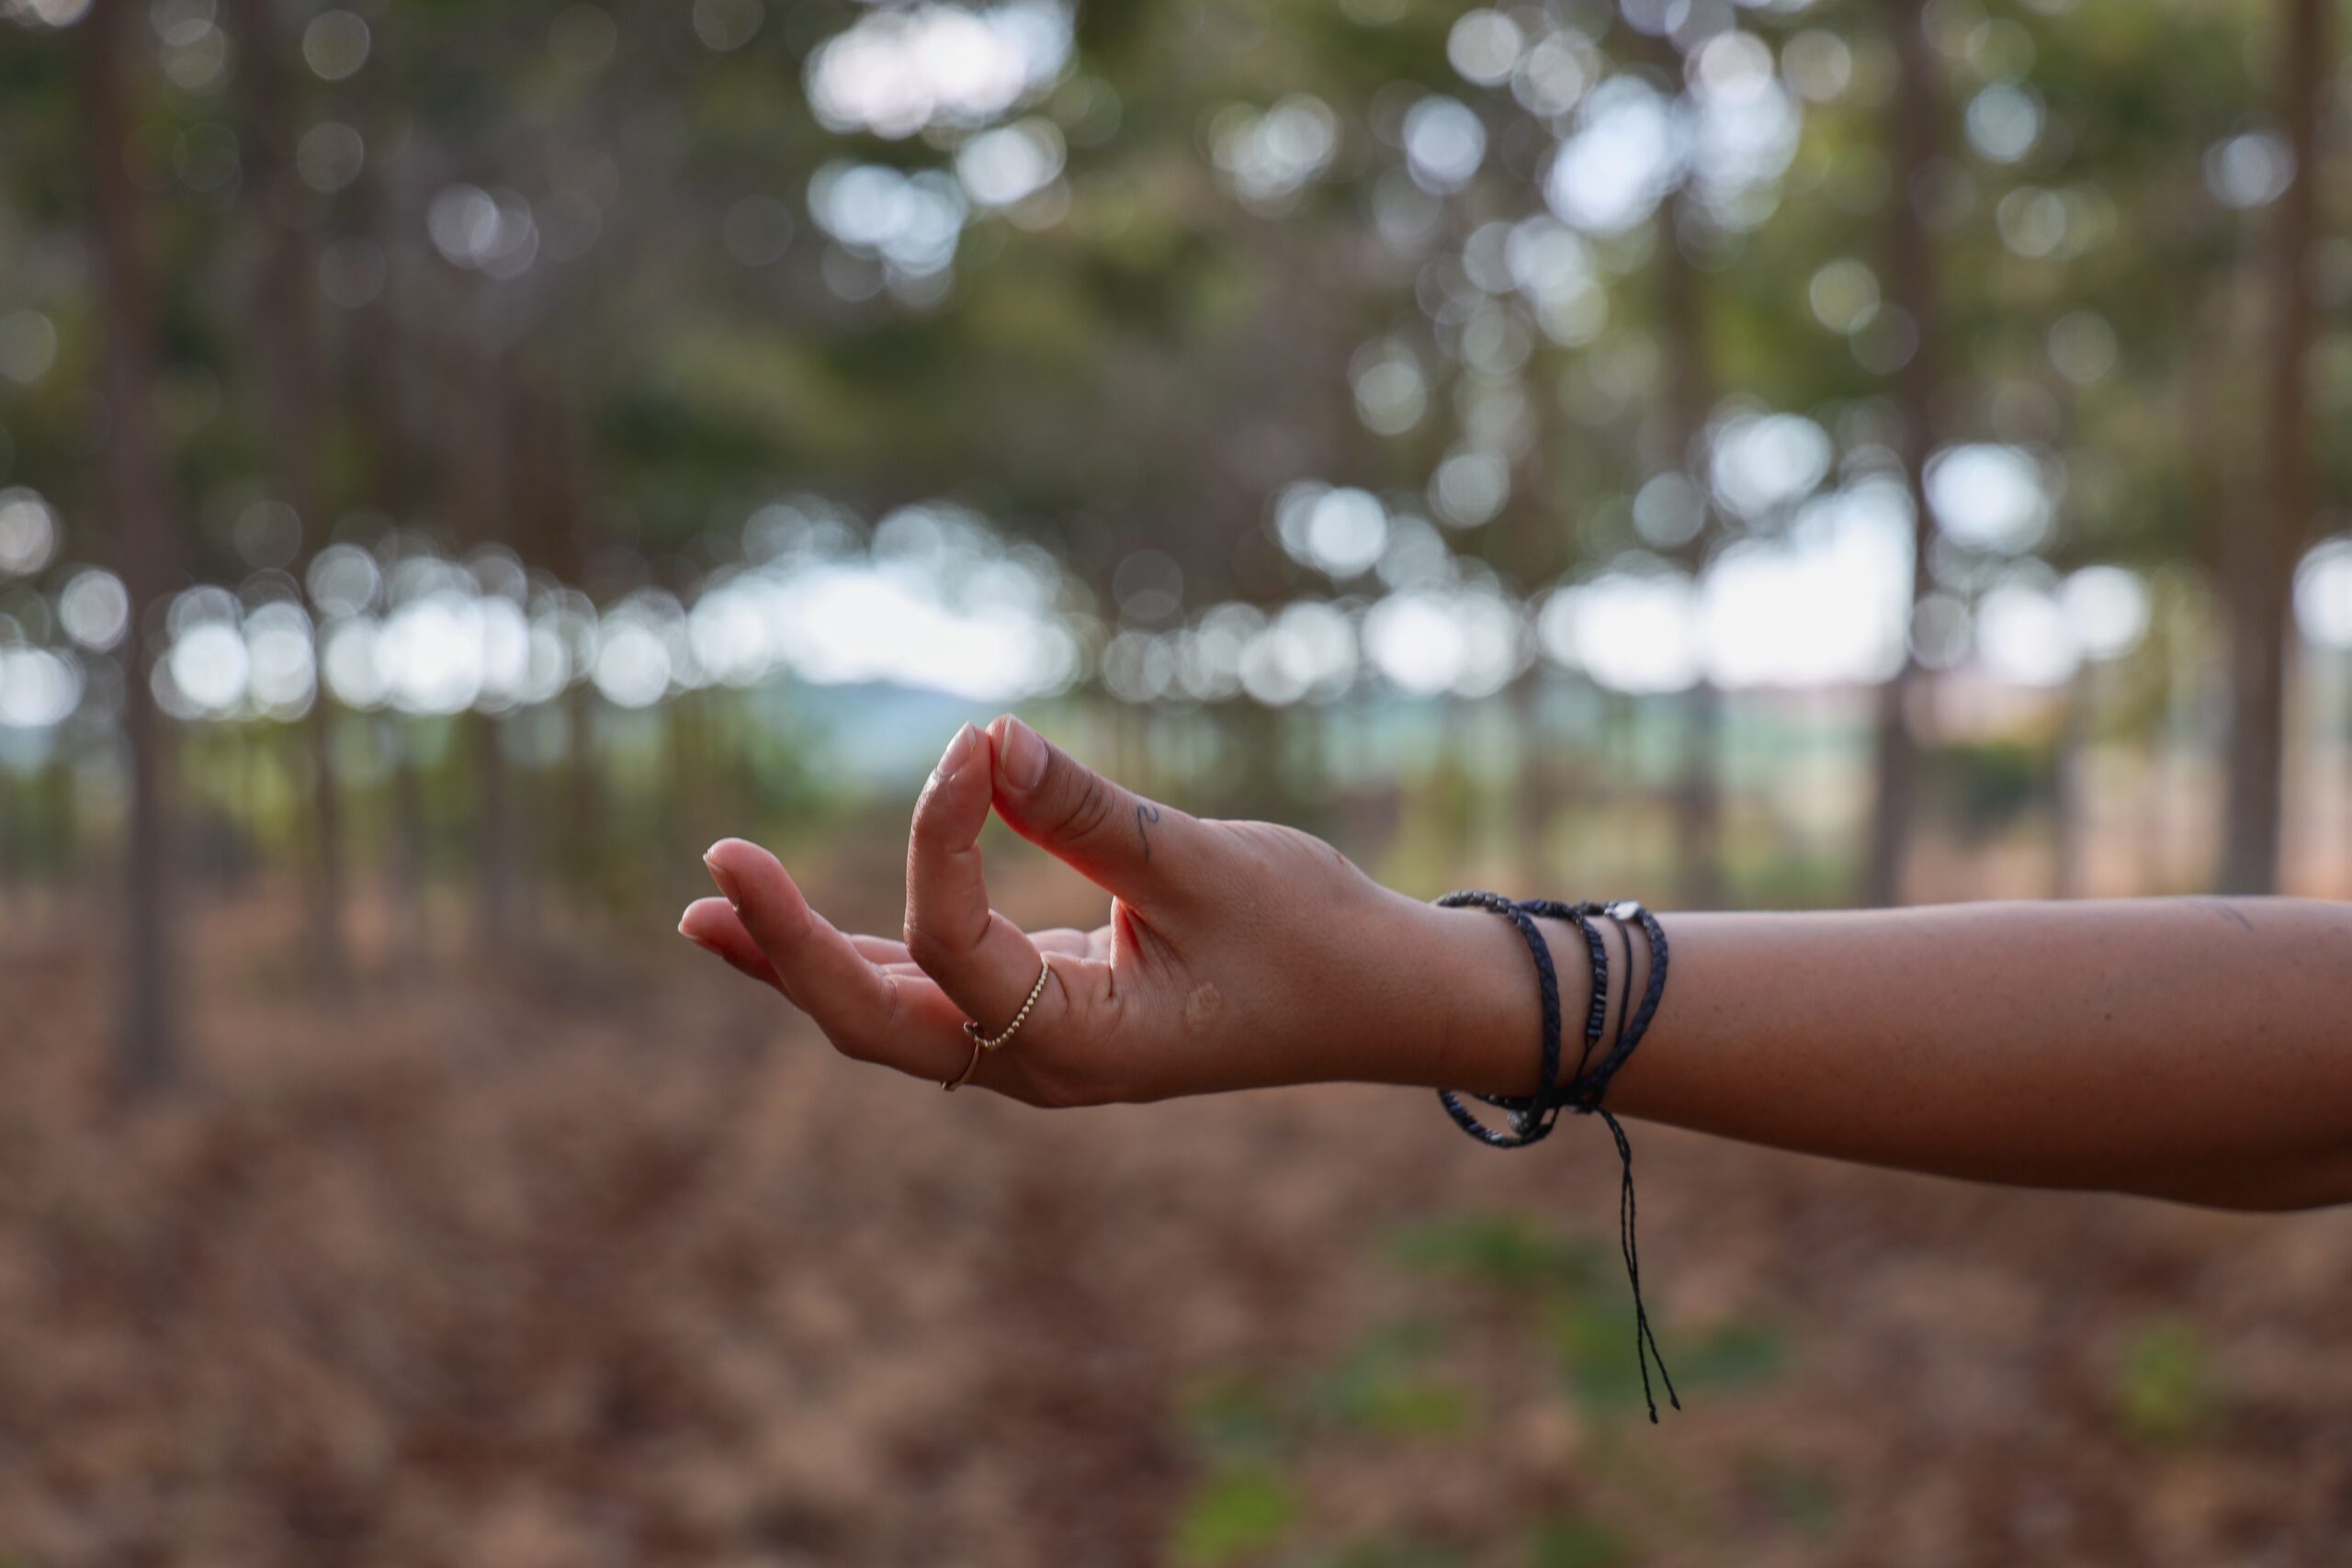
<point>982,1043</point>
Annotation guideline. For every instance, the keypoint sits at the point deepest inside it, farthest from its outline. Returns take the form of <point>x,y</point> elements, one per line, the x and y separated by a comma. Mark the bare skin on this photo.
<point>2190,1049</point>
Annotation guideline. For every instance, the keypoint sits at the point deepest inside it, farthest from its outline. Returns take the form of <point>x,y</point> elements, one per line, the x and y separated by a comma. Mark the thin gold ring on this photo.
<point>982,1044</point>
<point>960,1079</point>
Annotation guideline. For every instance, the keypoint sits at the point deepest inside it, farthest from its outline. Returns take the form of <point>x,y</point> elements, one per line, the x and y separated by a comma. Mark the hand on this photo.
<point>1237,955</point>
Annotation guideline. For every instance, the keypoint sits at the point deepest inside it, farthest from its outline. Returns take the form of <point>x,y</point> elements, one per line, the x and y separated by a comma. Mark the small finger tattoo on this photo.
<point>2232,913</point>
<point>1145,813</point>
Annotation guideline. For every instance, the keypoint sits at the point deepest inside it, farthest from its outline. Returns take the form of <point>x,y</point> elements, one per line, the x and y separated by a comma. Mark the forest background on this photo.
<point>456,460</point>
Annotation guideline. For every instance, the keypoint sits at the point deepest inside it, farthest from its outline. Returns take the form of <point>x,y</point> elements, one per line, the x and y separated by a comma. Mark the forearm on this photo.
<point>2190,1049</point>
<point>2196,1049</point>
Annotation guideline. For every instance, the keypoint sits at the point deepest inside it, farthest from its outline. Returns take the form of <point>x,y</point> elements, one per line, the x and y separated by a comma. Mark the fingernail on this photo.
<point>953,758</point>
<point>721,875</point>
<point>1025,755</point>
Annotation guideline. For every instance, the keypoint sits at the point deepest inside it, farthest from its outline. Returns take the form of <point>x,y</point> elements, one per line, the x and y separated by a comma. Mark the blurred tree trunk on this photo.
<point>1263,784</point>
<point>65,823</point>
<point>1532,781</point>
<point>395,453</point>
<point>379,387</point>
<point>478,475</point>
<point>1127,747</point>
<point>144,534</point>
<point>16,814</point>
<point>1533,798</point>
<point>2258,552</point>
<point>2070,813</point>
<point>517,522</point>
<point>1915,134</point>
<point>2190,725</point>
<point>2336,732</point>
<point>285,328</point>
<point>1698,796</point>
<point>380,365</point>
<point>546,458</point>
<point>493,827</point>
<point>410,850</point>
<point>562,493</point>
<point>692,755</point>
<point>583,781</point>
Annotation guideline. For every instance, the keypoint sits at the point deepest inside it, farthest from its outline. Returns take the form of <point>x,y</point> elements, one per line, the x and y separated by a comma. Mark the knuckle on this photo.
<point>1068,1068</point>
<point>1059,1087</point>
<point>926,947</point>
<point>930,820</point>
<point>1047,1091</point>
<point>851,1046</point>
<point>1090,808</point>
<point>883,1012</point>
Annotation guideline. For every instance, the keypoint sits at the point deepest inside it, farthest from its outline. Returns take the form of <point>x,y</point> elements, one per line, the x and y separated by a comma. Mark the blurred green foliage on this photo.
<point>1233,1513</point>
<point>1591,1337</point>
<point>1577,1544</point>
<point>1384,1552</point>
<point>1236,1416</point>
<point>2164,1389</point>
<point>1394,1386</point>
<point>1793,1491</point>
<point>1507,1250</point>
<point>1992,784</point>
<point>1383,1385</point>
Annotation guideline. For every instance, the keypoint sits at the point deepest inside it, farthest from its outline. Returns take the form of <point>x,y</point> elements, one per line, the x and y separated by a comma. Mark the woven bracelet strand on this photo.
<point>1531,1117</point>
<point>1584,1095</point>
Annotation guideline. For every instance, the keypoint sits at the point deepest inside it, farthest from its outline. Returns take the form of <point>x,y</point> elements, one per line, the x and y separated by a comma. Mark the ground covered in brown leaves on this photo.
<point>593,1259</point>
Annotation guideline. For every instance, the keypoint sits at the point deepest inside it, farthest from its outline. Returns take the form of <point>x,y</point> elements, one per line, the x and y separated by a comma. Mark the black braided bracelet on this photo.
<point>1585,1091</point>
<point>1528,1121</point>
<point>1531,1117</point>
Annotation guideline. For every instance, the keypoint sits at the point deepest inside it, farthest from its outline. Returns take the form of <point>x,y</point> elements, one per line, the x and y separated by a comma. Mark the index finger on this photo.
<point>984,962</point>
<point>897,1020</point>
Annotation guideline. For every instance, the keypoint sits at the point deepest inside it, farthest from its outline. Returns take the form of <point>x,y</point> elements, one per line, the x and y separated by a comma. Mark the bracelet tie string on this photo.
<point>1531,1117</point>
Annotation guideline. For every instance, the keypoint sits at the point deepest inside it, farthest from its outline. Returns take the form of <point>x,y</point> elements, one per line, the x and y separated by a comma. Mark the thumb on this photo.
<point>1134,848</point>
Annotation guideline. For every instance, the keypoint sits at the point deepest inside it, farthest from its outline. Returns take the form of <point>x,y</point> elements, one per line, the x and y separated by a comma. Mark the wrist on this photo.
<point>1482,1028</point>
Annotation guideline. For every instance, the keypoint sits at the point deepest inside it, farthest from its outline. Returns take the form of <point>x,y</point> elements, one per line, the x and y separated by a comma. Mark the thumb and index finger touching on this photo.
<point>987,964</point>
<point>1130,847</point>
<point>978,963</point>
